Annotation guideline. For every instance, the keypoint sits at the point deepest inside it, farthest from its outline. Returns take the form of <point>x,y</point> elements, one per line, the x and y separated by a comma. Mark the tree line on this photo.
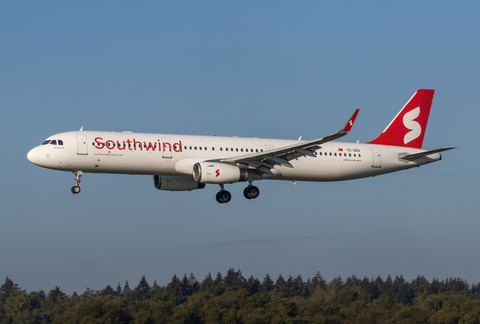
<point>234,299</point>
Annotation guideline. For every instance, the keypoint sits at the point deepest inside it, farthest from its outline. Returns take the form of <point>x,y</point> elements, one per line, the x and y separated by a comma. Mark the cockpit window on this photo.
<point>53,142</point>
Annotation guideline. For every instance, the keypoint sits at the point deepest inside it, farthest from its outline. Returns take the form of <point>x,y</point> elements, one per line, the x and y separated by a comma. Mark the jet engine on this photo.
<point>219,173</point>
<point>175,183</point>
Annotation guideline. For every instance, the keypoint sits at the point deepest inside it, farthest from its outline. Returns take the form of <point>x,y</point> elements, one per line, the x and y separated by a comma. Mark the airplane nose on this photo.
<point>32,156</point>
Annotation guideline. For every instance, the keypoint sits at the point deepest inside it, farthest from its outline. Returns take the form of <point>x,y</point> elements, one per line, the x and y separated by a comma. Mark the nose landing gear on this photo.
<point>76,187</point>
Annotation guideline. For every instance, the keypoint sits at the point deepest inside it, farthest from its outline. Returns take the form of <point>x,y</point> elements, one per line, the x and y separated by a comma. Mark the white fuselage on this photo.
<point>175,155</point>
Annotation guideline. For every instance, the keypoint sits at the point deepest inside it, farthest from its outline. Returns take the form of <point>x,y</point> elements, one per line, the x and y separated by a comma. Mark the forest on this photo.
<point>235,299</point>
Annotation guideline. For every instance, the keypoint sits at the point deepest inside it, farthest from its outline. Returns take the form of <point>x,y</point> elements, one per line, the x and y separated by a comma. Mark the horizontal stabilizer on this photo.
<point>426,153</point>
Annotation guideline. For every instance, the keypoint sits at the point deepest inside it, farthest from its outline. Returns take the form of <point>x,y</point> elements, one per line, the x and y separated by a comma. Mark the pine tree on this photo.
<point>267,284</point>
<point>157,290</point>
<point>194,285</point>
<point>142,291</point>
<point>370,288</point>
<point>307,285</point>
<point>234,280</point>
<point>107,291</point>
<point>253,285</point>
<point>207,282</point>
<point>55,293</point>
<point>126,288</point>
<point>289,287</point>
<point>174,288</point>
<point>185,286</point>
<point>318,281</point>
<point>6,289</point>
<point>388,286</point>
<point>118,291</point>
<point>218,280</point>
<point>298,287</point>
<point>280,284</point>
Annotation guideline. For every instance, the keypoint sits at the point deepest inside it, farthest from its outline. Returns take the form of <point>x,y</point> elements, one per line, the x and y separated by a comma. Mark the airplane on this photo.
<point>186,162</point>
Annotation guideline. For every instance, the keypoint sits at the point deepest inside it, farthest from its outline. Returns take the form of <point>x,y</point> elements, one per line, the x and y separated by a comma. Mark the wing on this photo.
<point>266,160</point>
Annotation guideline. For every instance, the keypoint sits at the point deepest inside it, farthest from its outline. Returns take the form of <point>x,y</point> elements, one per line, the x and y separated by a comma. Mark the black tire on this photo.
<point>251,192</point>
<point>223,196</point>
<point>76,190</point>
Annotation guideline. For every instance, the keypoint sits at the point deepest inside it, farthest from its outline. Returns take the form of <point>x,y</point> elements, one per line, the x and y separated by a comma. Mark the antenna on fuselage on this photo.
<point>81,129</point>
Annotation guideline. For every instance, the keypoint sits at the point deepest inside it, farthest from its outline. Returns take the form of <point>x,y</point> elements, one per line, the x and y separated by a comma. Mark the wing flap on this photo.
<point>282,155</point>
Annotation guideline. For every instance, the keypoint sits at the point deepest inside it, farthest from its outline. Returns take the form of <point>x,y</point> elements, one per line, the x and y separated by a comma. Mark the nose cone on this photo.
<point>33,156</point>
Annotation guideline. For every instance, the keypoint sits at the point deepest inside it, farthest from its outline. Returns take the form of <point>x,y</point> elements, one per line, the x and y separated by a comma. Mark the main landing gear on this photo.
<point>224,196</point>
<point>76,187</point>
<point>251,192</point>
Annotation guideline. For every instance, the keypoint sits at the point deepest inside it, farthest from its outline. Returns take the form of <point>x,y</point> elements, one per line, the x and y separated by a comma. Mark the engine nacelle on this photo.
<point>174,183</point>
<point>211,172</point>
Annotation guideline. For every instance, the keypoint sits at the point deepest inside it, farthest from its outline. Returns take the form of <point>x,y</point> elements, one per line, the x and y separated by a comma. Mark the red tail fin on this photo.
<point>409,126</point>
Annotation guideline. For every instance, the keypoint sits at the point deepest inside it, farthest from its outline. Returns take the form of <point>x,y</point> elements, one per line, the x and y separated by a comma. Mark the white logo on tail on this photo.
<point>415,128</point>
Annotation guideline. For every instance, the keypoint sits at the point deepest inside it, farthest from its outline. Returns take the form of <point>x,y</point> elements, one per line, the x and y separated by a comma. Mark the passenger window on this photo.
<point>184,147</point>
<point>320,153</point>
<point>200,148</point>
<point>236,149</point>
<point>195,148</point>
<point>261,150</point>
<point>251,150</point>
<point>213,149</point>
<point>241,150</point>
<point>190,147</point>
<point>221,149</point>
<point>205,148</point>
<point>359,155</point>
<point>330,153</point>
<point>226,149</point>
<point>335,154</point>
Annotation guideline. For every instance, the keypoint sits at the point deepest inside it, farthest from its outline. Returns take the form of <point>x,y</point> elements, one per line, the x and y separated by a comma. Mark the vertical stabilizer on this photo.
<point>408,127</point>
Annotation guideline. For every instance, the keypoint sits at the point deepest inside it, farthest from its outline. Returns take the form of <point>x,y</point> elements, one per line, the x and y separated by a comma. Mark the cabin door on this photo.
<point>377,157</point>
<point>82,145</point>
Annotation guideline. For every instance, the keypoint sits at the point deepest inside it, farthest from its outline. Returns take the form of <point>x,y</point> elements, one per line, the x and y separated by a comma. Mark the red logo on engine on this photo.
<point>217,173</point>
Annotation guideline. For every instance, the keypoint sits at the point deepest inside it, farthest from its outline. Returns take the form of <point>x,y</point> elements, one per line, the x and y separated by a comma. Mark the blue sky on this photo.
<point>266,69</point>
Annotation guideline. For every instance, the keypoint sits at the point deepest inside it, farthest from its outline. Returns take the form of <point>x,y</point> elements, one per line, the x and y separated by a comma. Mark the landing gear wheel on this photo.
<point>223,196</point>
<point>76,187</point>
<point>251,192</point>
